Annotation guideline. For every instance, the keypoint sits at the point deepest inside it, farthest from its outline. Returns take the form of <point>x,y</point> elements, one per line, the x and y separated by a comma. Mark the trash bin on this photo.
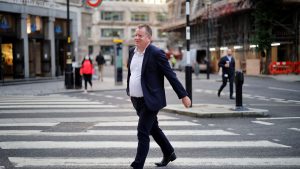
<point>78,78</point>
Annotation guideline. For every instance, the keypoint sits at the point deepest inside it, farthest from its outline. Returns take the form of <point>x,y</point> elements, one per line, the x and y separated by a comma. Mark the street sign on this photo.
<point>93,3</point>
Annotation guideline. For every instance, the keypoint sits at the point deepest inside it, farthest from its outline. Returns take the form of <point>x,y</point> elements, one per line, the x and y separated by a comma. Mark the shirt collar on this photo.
<point>136,51</point>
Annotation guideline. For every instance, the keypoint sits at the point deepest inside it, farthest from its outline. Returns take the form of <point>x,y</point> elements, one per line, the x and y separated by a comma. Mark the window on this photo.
<point>133,32</point>
<point>117,33</point>
<point>111,16</point>
<point>161,17</point>
<point>139,16</point>
<point>88,32</point>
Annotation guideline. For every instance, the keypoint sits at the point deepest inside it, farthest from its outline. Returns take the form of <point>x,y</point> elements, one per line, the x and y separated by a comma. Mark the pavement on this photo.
<point>197,110</point>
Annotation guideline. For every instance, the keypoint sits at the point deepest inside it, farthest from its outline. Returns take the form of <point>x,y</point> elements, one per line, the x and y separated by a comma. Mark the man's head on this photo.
<point>229,52</point>
<point>143,36</point>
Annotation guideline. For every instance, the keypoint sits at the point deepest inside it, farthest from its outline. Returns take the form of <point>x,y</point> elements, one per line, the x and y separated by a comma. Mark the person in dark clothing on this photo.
<point>227,64</point>
<point>147,67</point>
<point>101,62</point>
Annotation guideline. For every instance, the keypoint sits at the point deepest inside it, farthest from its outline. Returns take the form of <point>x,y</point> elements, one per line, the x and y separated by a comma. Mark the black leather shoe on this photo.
<point>232,98</point>
<point>165,161</point>
<point>219,93</point>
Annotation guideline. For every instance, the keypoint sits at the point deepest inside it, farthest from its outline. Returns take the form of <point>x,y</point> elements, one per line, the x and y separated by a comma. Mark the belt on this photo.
<point>138,98</point>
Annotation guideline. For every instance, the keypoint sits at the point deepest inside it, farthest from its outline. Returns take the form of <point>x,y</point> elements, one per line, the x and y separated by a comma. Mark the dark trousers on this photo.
<point>147,125</point>
<point>87,79</point>
<point>224,79</point>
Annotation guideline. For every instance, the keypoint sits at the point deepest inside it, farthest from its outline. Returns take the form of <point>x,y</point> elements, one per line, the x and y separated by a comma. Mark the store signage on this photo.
<point>4,23</point>
<point>93,3</point>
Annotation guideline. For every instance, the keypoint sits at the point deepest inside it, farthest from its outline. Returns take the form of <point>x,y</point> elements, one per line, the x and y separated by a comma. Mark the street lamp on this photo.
<point>69,84</point>
<point>188,67</point>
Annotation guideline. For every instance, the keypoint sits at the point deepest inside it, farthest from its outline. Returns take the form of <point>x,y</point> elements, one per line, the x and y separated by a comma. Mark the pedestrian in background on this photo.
<point>227,64</point>
<point>87,70</point>
<point>147,66</point>
<point>101,62</point>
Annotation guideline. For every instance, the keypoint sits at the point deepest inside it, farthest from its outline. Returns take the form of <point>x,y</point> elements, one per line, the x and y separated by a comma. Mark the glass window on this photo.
<point>139,16</point>
<point>111,16</point>
<point>133,32</point>
<point>7,23</point>
<point>34,25</point>
<point>161,17</point>
<point>117,33</point>
<point>88,32</point>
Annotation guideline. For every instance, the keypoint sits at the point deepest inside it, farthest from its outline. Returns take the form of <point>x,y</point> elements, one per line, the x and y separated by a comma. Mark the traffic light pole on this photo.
<point>69,84</point>
<point>188,67</point>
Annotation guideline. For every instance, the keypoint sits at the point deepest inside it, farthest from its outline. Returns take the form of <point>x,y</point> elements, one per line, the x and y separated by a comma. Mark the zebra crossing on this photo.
<point>59,131</point>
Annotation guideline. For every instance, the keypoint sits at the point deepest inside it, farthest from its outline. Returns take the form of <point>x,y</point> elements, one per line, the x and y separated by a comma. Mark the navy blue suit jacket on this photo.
<point>227,70</point>
<point>155,67</point>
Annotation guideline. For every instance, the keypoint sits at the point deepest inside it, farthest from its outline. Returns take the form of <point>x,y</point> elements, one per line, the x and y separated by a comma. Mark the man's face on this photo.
<point>229,52</point>
<point>142,38</point>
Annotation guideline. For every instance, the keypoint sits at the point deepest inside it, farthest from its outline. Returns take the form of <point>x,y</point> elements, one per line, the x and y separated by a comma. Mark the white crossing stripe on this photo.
<point>78,119</point>
<point>34,106</point>
<point>125,162</point>
<point>52,103</point>
<point>161,123</point>
<point>263,122</point>
<point>295,129</point>
<point>132,145</point>
<point>43,100</point>
<point>113,133</point>
<point>277,118</point>
<point>26,124</point>
<point>87,110</point>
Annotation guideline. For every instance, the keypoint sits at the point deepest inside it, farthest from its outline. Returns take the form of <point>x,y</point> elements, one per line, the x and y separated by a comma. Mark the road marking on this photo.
<point>51,103</point>
<point>108,96</point>
<point>55,111</point>
<point>120,98</point>
<point>132,145</point>
<point>161,123</point>
<point>295,129</point>
<point>78,119</point>
<point>27,124</point>
<point>125,162</point>
<point>75,106</point>
<point>263,123</point>
<point>277,118</point>
<point>42,100</point>
<point>113,133</point>
<point>290,90</point>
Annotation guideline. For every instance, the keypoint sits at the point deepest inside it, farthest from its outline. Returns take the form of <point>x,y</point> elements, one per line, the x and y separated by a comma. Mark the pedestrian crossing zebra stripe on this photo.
<point>78,119</point>
<point>123,161</point>
<point>132,145</point>
<point>64,106</point>
<point>114,133</point>
<point>52,103</point>
<point>43,100</point>
<point>55,111</point>
<point>161,123</point>
<point>104,124</point>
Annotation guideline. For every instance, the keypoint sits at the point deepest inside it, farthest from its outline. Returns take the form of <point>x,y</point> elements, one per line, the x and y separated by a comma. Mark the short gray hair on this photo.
<point>147,27</point>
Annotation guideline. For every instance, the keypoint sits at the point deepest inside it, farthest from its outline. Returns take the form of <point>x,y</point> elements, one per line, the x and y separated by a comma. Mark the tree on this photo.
<point>264,14</point>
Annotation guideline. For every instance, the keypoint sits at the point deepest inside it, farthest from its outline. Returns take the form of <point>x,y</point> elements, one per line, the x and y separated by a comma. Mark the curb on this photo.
<point>215,111</point>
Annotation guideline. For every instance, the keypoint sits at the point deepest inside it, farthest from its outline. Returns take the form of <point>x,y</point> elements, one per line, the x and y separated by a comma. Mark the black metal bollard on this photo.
<point>239,81</point>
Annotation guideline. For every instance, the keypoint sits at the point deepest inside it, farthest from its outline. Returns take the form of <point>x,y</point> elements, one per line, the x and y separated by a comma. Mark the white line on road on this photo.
<point>123,161</point>
<point>51,103</point>
<point>277,118</point>
<point>54,111</point>
<point>294,129</point>
<point>161,123</point>
<point>132,145</point>
<point>57,106</point>
<point>26,124</point>
<point>78,119</point>
<point>290,90</point>
<point>112,133</point>
<point>263,122</point>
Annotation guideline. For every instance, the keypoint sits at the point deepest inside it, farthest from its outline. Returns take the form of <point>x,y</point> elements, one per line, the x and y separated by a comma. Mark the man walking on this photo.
<point>227,64</point>
<point>147,67</point>
<point>101,62</point>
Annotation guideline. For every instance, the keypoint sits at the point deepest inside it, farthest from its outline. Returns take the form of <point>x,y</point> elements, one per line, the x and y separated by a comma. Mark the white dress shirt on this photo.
<point>135,87</point>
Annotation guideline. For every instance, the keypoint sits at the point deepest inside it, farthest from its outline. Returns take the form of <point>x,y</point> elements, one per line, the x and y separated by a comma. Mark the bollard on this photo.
<point>239,81</point>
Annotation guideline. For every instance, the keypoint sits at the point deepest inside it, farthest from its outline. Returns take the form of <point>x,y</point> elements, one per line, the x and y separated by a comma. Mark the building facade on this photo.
<point>33,37</point>
<point>117,19</point>
<point>217,25</point>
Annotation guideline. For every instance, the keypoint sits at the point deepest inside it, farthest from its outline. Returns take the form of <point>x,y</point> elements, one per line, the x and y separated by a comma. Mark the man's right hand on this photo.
<point>186,101</point>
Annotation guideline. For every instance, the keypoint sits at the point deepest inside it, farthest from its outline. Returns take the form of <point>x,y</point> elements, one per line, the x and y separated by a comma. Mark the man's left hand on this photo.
<point>186,101</point>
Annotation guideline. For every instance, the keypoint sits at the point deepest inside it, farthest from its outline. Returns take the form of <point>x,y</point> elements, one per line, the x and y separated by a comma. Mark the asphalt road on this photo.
<point>98,130</point>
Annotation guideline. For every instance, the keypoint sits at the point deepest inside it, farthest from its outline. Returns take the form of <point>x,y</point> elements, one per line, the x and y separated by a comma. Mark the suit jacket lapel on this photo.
<point>146,57</point>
